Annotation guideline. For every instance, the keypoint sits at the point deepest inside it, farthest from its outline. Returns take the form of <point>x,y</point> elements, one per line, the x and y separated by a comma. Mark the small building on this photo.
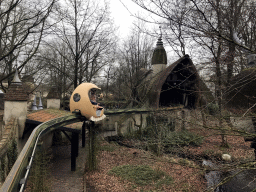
<point>241,94</point>
<point>166,87</point>
<point>15,103</point>
<point>53,99</point>
<point>177,84</point>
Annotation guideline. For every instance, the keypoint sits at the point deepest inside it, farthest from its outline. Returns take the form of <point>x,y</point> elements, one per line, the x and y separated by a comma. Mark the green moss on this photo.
<point>183,162</point>
<point>183,138</point>
<point>108,147</point>
<point>249,69</point>
<point>39,179</point>
<point>3,166</point>
<point>141,175</point>
<point>12,154</point>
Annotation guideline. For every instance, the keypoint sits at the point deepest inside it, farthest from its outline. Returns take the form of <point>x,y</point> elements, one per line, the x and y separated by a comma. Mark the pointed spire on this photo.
<point>160,42</point>
<point>16,78</point>
<point>34,107</point>
<point>159,54</point>
<point>16,91</point>
<point>40,105</point>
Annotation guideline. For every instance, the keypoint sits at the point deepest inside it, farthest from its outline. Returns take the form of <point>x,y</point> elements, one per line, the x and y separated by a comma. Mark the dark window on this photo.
<point>76,97</point>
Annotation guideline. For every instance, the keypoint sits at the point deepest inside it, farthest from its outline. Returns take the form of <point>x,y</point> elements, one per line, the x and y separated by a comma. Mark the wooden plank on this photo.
<point>140,110</point>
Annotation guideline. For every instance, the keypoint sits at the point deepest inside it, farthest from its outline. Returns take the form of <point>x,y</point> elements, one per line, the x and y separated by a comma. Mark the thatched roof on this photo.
<point>241,94</point>
<point>153,88</point>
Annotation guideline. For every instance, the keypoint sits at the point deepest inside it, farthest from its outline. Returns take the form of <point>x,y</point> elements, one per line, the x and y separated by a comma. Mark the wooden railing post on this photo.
<point>83,135</point>
<point>74,150</point>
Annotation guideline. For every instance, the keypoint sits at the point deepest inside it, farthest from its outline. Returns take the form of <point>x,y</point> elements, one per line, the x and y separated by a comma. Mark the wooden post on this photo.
<point>77,144</point>
<point>83,135</point>
<point>92,147</point>
<point>183,117</point>
<point>74,150</point>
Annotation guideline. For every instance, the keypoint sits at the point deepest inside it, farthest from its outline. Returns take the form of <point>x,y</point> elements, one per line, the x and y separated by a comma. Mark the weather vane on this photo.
<point>160,31</point>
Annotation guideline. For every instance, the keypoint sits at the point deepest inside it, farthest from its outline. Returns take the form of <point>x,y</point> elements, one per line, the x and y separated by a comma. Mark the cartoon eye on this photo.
<point>76,97</point>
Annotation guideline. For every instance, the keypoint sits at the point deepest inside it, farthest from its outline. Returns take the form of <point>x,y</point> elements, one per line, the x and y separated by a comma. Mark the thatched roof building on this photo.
<point>241,94</point>
<point>177,84</point>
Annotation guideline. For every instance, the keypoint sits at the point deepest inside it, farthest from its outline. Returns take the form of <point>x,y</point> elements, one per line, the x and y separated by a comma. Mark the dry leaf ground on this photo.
<point>188,175</point>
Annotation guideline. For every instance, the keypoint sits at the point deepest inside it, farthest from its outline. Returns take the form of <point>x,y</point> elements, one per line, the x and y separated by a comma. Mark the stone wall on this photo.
<point>18,110</point>
<point>8,148</point>
<point>53,103</point>
<point>126,123</point>
<point>1,126</point>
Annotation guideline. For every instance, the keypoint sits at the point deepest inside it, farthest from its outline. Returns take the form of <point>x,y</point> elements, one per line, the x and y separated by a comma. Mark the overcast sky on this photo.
<point>122,17</point>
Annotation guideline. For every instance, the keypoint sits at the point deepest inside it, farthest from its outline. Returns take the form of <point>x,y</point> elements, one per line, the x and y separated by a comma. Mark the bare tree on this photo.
<point>22,27</point>
<point>87,31</point>
<point>196,12</point>
<point>134,54</point>
<point>55,58</point>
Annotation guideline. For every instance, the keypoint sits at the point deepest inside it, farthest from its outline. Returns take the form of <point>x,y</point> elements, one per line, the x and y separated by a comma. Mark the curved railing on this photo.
<point>19,173</point>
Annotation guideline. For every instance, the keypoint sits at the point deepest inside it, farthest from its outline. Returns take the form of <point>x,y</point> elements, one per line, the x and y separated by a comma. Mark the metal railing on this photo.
<point>17,178</point>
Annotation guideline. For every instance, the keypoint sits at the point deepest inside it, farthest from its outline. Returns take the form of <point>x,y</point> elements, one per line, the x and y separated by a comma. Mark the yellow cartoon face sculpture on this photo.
<point>83,99</point>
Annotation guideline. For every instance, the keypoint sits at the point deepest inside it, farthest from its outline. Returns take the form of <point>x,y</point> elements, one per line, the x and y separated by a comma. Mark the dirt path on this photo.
<point>62,178</point>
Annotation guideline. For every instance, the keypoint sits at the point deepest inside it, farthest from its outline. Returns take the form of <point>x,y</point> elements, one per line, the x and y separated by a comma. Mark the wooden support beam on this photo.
<point>83,135</point>
<point>77,144</point>
<point>74,150</point>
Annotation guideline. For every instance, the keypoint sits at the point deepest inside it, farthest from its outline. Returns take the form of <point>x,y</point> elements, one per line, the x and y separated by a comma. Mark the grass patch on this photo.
<point>183,162</point>
<point>141,175</point>
<point>184,138</point>
<point>108,147</point>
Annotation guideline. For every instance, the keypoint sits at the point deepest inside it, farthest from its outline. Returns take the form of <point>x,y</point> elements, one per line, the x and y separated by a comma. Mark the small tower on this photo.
<point>40,105</point>
<point>15,103</point>
<point>53,99</point>
<point>159,58</point>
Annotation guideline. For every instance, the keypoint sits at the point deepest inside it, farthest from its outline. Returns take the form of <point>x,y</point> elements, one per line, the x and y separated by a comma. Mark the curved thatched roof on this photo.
<point>182,74</point>
<point>241,94</point>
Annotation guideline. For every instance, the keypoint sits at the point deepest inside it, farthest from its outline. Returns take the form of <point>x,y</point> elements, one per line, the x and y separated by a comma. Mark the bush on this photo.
<point>213,108</point>
<point>160,138</point>
<point>180,139</point>
<point>183,138</point>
